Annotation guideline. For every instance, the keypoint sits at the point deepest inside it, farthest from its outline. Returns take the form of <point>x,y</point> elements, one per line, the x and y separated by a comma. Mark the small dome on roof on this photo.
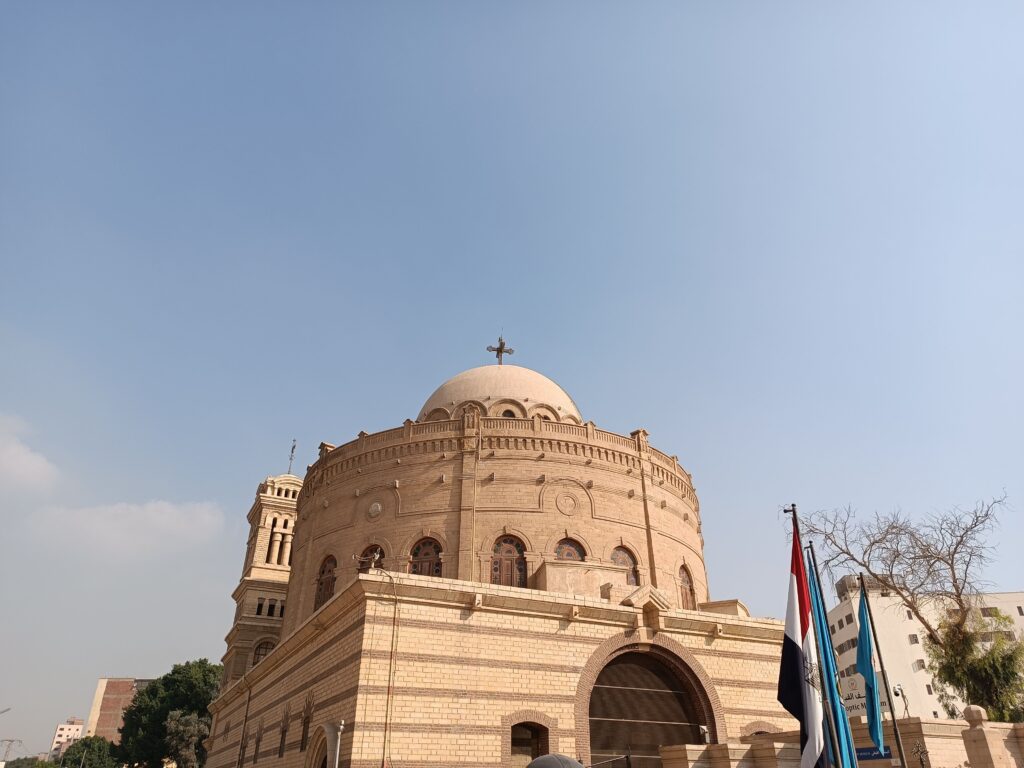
<point>489,384</point>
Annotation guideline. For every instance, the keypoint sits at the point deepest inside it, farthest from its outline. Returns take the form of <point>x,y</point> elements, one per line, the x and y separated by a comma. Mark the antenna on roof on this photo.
<point>291,457</point>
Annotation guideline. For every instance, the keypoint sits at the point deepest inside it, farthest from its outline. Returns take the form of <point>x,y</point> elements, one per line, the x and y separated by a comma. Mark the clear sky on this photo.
<point>786,238</point>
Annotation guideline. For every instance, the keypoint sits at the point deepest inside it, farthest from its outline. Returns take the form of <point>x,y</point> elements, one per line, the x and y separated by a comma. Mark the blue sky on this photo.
<point>786,238</point>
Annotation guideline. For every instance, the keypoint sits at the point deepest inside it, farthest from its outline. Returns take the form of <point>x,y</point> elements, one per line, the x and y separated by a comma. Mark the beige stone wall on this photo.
<point>442,681</point>
<point>467,481</point>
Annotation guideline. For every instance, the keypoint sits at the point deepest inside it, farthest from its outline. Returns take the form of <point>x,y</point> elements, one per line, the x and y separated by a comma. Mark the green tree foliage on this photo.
<point>188,688</point>
<point>185,734</point>
<point>27,762</point>
<point>980,661</point>
<point>91,752</point>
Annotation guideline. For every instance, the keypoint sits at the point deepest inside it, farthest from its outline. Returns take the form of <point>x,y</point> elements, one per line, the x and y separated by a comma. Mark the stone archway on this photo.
<point>661,686</point>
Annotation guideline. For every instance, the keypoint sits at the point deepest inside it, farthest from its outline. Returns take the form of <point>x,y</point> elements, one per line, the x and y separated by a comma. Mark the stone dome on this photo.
<point>498,389</point>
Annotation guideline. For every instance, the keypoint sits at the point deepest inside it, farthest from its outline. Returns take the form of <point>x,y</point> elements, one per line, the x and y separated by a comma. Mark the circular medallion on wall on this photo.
<point>374,510</point>
<point>567,503</point>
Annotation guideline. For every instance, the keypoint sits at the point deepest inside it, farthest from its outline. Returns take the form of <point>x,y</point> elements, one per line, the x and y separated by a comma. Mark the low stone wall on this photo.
<point>970,743</point>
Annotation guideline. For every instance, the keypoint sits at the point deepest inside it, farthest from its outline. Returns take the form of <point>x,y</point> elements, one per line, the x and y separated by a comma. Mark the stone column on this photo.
<point>286,551</point>
<point>469,453</point>
<point>985,747</point>
<point>275,547</point>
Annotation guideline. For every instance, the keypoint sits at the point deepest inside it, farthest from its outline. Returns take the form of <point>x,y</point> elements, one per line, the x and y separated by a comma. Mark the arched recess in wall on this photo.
<point>623,666</point>
<point>316,750</point>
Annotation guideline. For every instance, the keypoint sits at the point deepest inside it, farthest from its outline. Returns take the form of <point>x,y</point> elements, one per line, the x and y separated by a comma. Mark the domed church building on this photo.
<point>497,580</point>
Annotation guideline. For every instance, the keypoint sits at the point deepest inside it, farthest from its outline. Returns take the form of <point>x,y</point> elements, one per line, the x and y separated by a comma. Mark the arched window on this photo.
<point>372,557</point>
<point>529,741</point>
<point>325,581</point>
<point>261,650</point>
<point>623,557</point>
<point>426,558</point>
<point>570,549</point>
<point>508,414</point>
<point>688,598</point>
<point>508,562</point>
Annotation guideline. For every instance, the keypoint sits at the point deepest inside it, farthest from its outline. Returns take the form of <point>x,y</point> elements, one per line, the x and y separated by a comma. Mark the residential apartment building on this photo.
<point>112,697</point>
<point>64,735</point>
<point>901,642</point>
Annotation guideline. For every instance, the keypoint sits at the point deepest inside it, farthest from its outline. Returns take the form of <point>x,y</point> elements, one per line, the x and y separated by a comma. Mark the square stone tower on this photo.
<point>261,592</point>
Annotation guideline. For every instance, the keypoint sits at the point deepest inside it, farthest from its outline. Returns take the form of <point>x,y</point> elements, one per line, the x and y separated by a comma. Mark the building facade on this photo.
<point>112,697</point>
<point>64,735</point>
<point>496,580</point>
<point>901,639</point>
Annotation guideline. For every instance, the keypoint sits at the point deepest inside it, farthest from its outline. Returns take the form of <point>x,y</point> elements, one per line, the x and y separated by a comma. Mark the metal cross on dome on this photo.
<point>500,350</point>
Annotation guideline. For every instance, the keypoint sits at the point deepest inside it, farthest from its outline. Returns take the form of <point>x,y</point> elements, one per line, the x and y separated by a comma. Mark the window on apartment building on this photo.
<point>832,628</point>
<point>914,639</point>
<point>840,623</point>
<point>1020,610</point>
<point>931,691</point>
<point>849,618</point>
<point>910,614</point>
<point>259,606</point>
<point>918,665</point>
<point>935,714</point>
<point>272,608</point>
<point>990,612</point>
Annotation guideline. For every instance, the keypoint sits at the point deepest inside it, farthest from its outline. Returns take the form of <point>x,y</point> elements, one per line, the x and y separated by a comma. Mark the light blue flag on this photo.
<point>844,737</point>
<point>867,670</point>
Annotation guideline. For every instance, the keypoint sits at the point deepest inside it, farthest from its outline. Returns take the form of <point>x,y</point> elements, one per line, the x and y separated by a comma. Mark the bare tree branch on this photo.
<point>937,560</point>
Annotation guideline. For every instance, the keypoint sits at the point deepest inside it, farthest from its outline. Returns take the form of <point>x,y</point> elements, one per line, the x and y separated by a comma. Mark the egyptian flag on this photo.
<point>798,674</point>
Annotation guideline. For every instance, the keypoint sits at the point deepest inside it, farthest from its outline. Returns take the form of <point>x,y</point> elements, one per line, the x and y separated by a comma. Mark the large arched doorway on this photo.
<point>639,704</point>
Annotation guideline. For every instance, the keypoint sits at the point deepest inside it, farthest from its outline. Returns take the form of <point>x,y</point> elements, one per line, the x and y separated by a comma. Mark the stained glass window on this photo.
<point>372,557</point>
<point>688,598</point>
<point>508,562</point>
<point>623,557</point>
<point>570,549</point>
<point>425,558</point>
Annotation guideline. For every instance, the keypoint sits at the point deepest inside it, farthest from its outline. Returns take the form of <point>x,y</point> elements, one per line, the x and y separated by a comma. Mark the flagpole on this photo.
<point>821,649</point>
<point>830,724</point>
<point>885,676</point>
